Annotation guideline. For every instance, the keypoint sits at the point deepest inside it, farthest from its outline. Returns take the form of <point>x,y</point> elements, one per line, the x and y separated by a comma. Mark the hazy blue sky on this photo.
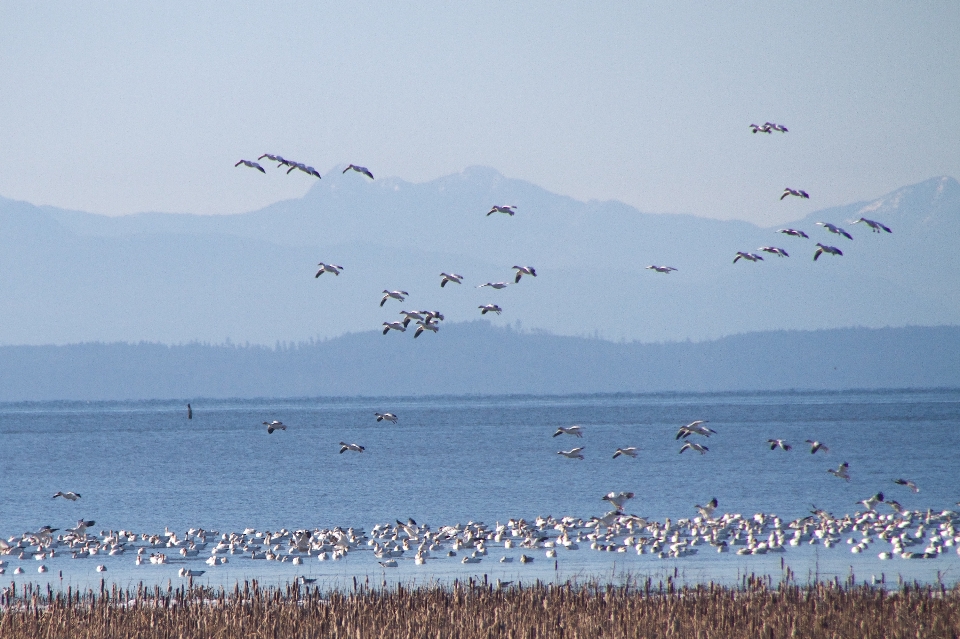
<point>121,107</point>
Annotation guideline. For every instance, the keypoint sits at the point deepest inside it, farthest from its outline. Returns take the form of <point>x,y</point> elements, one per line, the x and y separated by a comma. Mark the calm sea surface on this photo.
<point>143,466</point>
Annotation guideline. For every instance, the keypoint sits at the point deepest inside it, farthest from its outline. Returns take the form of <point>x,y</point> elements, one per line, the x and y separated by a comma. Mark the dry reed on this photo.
<point>474,609</point>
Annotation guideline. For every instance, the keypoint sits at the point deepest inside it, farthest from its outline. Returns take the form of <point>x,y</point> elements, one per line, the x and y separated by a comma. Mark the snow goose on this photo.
<point>779,443</point>
<point>450,277</point>
<point>393,326</point>
<point>794,233</point>
<point>707,511</point>
<point>101,568</point>
<point>835,229</point>
<point>660,269</point>
<point>509,209</point>
<point>841,471</point>
<point>875,226</point>
<point>397,295</point>
<point>871,502</point>
<point>760,128</point>
<point>752,257</point>
<point>629,451</point>
<point>822,248</point>
<point>776,127</point>
<point>569,430</point>
<point>496,285</point>
<point>252,165</point>
<point>815,446</point>
<point>694,446</point>
<point>187,572</point>
<point>901,482</point>
<point>695,428</point>
<point>573,453</point>
<point>357,448</point>
<point>774,250</point>
<point>67,495</point>
<point>328,268</point>
<point>390,417</point>
<point>795,192</point>
<point>523,270</point>
<point>274,425</point>
<point>411,316</point>
<point>425,326</point>
<point>490,308</point>
<point>359,169</point>
<point>617,500</point>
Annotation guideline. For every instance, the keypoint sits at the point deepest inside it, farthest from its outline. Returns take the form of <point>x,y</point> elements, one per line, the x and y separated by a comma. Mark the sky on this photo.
<point>117,107</point>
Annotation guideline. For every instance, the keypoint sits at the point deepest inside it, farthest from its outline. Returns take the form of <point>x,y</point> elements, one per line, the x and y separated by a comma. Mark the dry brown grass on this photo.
<point>475,610</point>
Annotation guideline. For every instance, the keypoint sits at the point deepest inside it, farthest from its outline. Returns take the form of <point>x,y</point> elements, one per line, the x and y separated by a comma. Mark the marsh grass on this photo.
<point>754,608</point>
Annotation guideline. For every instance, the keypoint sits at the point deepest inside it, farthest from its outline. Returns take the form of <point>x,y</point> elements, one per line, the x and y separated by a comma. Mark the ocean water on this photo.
<point>143,466</point>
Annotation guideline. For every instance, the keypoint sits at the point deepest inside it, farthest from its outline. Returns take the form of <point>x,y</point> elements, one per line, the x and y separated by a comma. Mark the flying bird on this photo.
<point>776,127</point>
<point>761,128</point>
<point>573,453</point>
<point>841,471</point>
<point>835,229</point>
<point>328,268</point>
<point>67,495</point>
<point>569,430</point>
<point>411,316</point>
<point>524,270</point>
<point>815,446</point>
<point>795,192</point>
<point>274,425</point>
<point>902,482</point>
<point>357,448</point>
<point>629,451</point>
<point>397,295</point>
<point>390,417</point>
<point>747,256</point>
<point>774,250</point>
<point>359,169</point>
<point>252,165</point>
<point>795,233</point>
<point>660,269</point>
<point>695,428</point>
<point>617,499</point>
<point>508,209</point>
<point>876,227</point>
<point>693,446</point>
<point>822,248</point>
<point>496,285</point>
<point>871,502</point>
<point>450,277</point>
<point>393,326</point>
<point>778,443</point>
<point>425,326</point>
<point>490,308</point>
<point>707,511</point>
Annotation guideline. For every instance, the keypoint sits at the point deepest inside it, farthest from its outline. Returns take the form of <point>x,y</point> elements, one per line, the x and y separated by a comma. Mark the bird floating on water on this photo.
<point>794,232</point>
<point>875,226</point>
<point>660,269</point>
<point>569,430</point>
<point>835,229</point>
<point>450,277</point>
<point>359,169</point>
<point>573,453</point>
<point>509,209</point>
<point>490,308</point>
<point>67,495</point>
<point>796,193</point>
<point>815,446</point>
<point>252,165</point>
<point>823,248</point>
<point>274,425</point>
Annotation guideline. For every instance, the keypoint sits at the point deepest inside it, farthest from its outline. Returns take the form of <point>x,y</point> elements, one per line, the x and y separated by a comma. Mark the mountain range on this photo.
<point>72,277</point>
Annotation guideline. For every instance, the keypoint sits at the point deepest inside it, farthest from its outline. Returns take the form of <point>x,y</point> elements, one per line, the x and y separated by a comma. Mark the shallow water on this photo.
<point>142,466</point>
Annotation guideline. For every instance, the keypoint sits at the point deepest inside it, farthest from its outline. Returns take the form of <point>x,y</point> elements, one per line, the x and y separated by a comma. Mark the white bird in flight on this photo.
<point>393,326</point>
<point>695,428</point>
<point>694,446</point>
<point>450,277</point>
<point>707,511</point>
<point>774,250</point>
<point>328,268</point>
<point>569,430</point>
<point>508,209</point>
<point>524,270</point>
<point>822,248</point>
<point>795,192</point>
<point>660,269</point>
<point>876,227</point>
<point>794,232</point>
<point>357,448</point>
<point>490,308</point>
<point>747,256</point>
<point>779,443</point>
<point>841,471</point>
<point>67,495</point>
<point>274,425</point>
<point>496,285</point>
<point>815,446</point>
<point>359,169</point>
<point>390,417</point>
<point>835,229</point>
<point>902,482</point>
<point>617,500</point>
<point>629,451</point>
<point>397,295</point>
<point>252,165</point>
<point>573,453</point>
<point>425,326</point>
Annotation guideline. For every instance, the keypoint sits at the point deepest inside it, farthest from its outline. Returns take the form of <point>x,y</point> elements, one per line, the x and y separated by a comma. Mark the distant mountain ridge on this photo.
<point>478,358</point>
<point>70,277</point>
